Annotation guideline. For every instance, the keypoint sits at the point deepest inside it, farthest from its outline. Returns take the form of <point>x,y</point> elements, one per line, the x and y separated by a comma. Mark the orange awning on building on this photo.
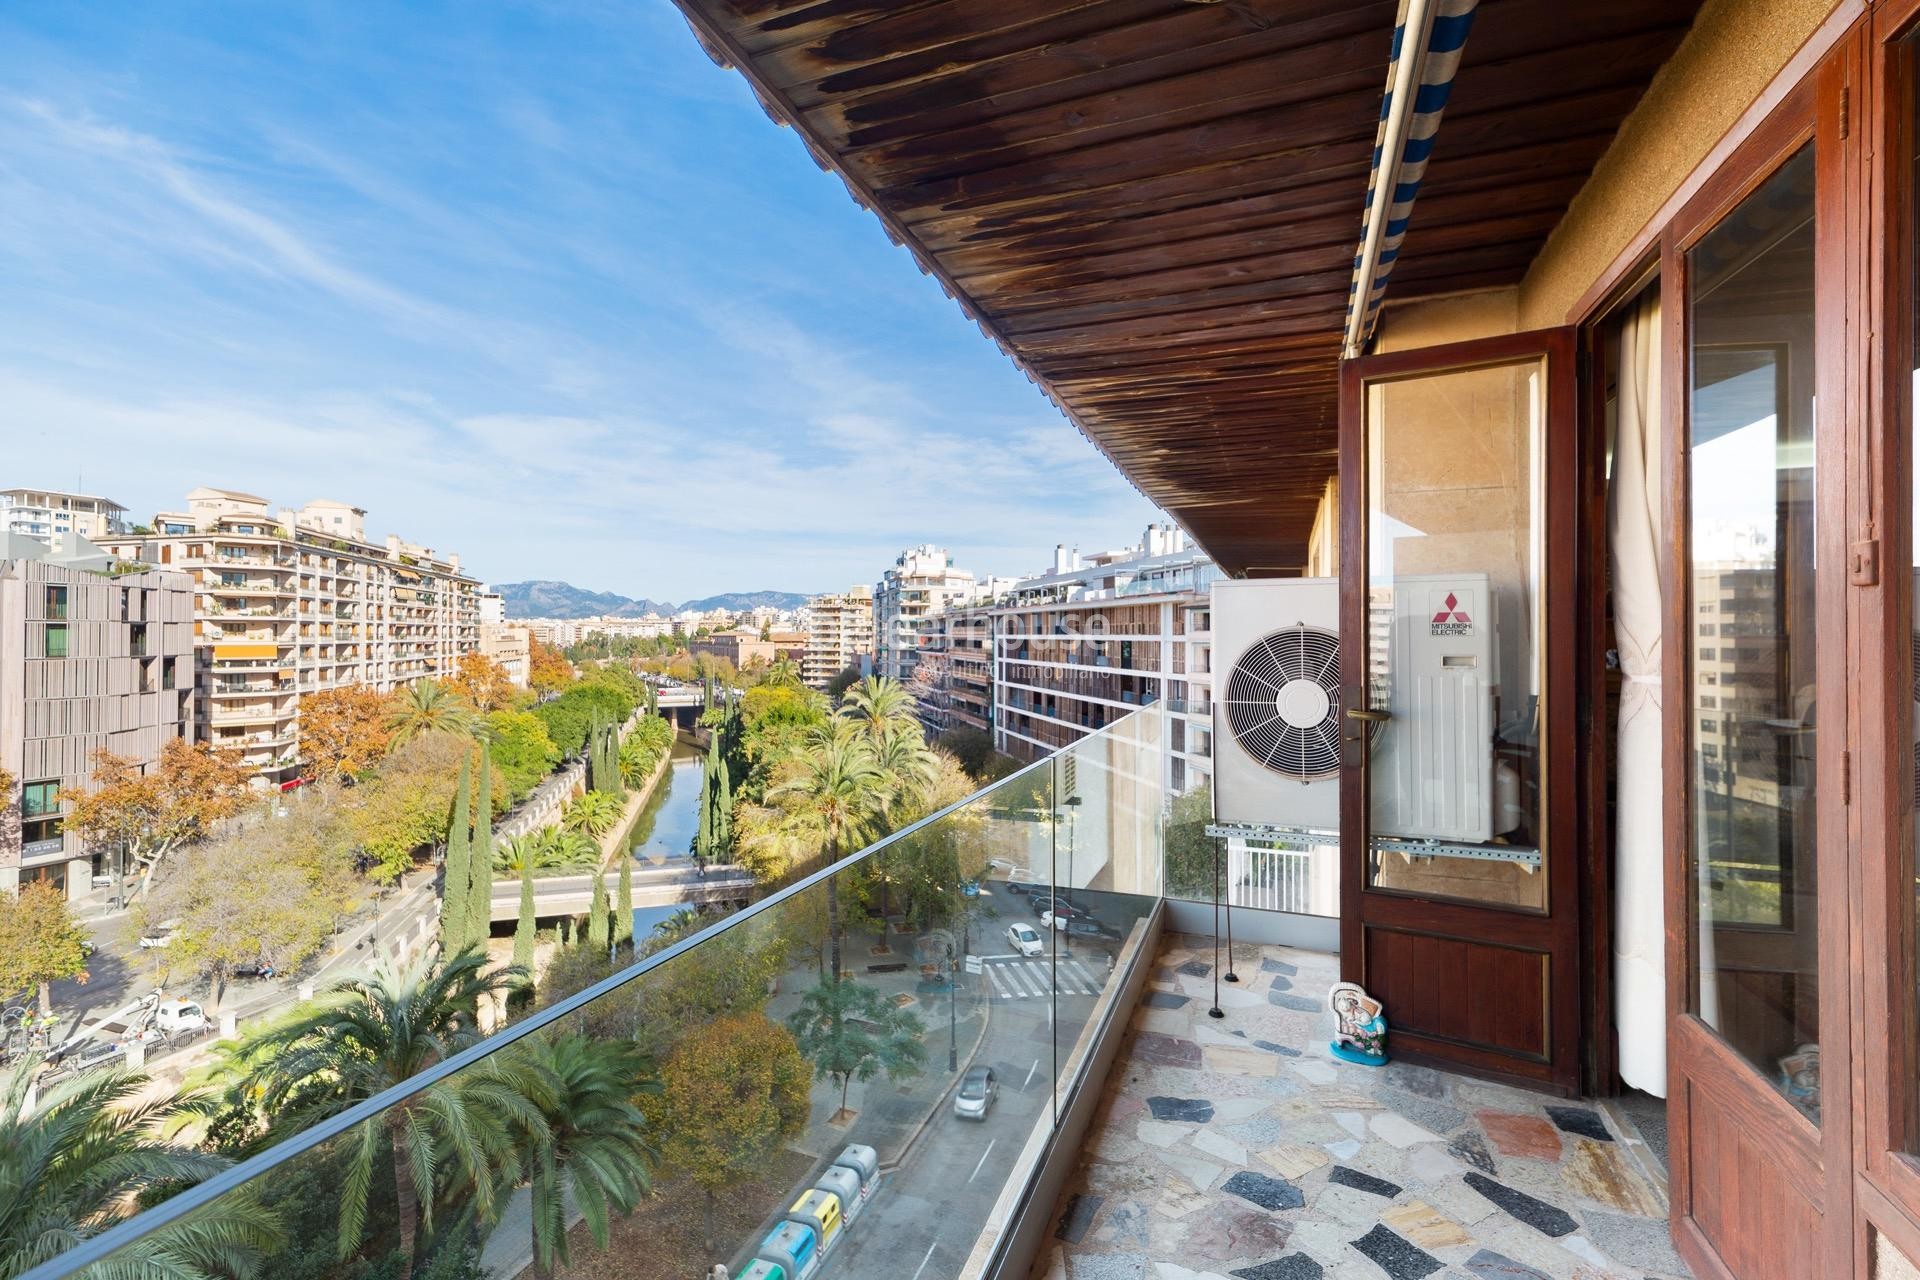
<point>227,652</point>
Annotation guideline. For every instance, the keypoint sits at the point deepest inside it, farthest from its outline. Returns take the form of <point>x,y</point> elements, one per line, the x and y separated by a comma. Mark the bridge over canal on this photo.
<point>556,896</point>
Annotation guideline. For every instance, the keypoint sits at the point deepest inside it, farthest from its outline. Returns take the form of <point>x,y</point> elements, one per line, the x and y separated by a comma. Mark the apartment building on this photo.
<point>1099,635</point>
<point>923,582</point>
<point>511,645</point>
<point>839,633</point>
<point>87,660</point>
<point>47,513</point>
<point>953,673</point>
<point>743,646</point>
<point>292,602</point>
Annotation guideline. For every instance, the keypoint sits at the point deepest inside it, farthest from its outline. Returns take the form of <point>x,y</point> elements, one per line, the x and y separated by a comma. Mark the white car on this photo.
<point>1026,939</point>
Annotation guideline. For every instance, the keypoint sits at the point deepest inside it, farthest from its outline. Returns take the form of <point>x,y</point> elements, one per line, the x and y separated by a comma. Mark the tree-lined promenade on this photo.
<point>678,1085</point>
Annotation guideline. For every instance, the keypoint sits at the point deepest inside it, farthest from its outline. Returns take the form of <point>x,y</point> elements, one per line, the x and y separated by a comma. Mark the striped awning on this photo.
<point>1439,37</point>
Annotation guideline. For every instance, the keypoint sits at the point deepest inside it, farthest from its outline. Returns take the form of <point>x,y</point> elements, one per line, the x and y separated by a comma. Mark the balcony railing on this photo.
<point>942,953</point>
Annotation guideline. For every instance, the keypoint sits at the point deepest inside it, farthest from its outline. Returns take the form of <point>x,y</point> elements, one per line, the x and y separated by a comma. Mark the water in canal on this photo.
<point>662,834</point>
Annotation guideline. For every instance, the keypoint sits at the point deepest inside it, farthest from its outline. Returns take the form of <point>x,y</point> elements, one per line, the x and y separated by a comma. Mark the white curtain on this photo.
<point>1633,531</point>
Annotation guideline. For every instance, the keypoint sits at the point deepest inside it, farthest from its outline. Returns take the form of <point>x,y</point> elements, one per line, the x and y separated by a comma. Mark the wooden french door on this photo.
<point>1459,902</point>
<point>1759,427</point>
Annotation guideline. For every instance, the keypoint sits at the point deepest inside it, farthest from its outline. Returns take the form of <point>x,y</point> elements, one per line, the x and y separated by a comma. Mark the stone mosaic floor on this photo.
<point>1241,1147</point>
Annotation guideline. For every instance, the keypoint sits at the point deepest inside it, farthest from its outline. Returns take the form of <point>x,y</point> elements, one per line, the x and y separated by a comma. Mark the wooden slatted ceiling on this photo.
<point>1153,205</point>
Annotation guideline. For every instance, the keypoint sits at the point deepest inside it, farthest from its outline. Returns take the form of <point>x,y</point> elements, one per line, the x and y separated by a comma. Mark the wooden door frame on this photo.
<point>1888,1183</point>
<point>1816,1161</point>
<point>1555,932</point>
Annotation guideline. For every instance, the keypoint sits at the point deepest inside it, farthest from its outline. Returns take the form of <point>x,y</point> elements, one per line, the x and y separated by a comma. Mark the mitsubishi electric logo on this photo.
<point>1450,616</point>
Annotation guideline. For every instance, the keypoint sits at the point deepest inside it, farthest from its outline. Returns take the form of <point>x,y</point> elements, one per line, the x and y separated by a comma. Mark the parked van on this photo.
<point>176,1017</point>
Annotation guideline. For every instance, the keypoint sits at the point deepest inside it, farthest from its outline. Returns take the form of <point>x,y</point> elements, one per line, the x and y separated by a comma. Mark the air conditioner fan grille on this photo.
<point>1283,702</point>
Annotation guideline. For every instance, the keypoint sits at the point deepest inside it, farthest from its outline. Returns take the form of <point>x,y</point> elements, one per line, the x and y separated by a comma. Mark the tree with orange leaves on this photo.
<point>343,731</point>
<point>180,799</point>
<point>484,683</point>
<point>548,670</point>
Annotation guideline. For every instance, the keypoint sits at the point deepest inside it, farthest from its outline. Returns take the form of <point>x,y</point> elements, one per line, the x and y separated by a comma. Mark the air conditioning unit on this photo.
<point>1279,722</point>
<point>1434,666</point>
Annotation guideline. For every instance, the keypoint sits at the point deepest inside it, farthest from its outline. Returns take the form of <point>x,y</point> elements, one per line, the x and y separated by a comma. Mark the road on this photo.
<point>930,1211</point>
<point>120,971</point>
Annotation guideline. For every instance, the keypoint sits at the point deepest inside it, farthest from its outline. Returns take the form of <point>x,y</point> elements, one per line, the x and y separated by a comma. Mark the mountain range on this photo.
<point>543,598</point>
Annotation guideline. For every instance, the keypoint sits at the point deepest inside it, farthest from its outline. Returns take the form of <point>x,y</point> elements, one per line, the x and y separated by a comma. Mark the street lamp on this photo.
<point>953,1011</point>
<point>1072,805</point>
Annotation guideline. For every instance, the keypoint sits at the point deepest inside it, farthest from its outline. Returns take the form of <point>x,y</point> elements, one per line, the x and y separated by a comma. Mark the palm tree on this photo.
<point>877,704</point>
<point>367,1034</point>
<point>907,765</point>
<point>834,795</point>
<point>427,706</point>
<point>593,1140</point>
<point>683,923</point>
<point>548,849</point>
<point>78,1164</point>
<point>594,813</point>
<point>907,770</point>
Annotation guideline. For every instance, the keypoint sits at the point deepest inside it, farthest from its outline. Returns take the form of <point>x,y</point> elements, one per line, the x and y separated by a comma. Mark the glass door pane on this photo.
<point>1751,645</point>
<point>1454,573</point>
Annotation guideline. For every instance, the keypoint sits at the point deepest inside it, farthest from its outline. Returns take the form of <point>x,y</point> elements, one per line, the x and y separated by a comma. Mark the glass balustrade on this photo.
<point>860,1073</point>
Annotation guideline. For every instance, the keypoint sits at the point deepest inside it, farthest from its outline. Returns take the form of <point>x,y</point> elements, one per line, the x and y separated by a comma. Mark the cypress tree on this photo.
<point>599,918</point>
<point>623,904</point>
<point>703,838</point>
<point>526,930</point>
<point>480,877</point>
<point>455,876</point>
<point>723,814</point>
<point>566,931</point>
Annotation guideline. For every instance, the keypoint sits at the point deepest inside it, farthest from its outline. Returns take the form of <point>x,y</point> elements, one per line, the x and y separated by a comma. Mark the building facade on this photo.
<point>1096,637</point>
<point>293,602</point>
<point>743,646</point>
<point>46,513</point>
<point>87,661</point>
<point>922,583</point>
<point>839,633</point>
<point>953,674</point>
<point>510,645</point>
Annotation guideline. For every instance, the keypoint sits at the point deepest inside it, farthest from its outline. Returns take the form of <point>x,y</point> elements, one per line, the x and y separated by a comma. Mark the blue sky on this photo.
<point>532,282</point>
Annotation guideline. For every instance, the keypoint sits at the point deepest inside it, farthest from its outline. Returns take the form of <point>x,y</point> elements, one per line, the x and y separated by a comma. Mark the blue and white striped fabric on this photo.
<point>1446,40</point>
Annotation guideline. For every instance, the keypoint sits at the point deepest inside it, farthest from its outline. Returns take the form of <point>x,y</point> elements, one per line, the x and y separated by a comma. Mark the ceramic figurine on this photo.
<point>1360,1026</point>
<point>1800,1078</point>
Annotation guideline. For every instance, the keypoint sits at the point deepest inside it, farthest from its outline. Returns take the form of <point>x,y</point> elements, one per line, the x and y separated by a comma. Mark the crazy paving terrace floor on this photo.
<point>1240,1146</point>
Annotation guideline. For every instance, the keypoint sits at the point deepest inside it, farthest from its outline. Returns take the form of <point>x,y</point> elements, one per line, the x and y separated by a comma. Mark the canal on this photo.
<point>662,832</point>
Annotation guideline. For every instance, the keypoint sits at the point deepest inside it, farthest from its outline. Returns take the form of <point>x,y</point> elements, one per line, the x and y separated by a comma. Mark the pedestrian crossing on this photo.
<point>1029,978</point>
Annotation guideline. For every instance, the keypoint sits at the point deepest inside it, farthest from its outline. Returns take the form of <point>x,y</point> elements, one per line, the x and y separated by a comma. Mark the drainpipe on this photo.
<point>1393,141</point>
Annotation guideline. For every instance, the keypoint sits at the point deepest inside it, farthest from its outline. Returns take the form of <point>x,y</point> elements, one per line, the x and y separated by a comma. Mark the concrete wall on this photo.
<point>543,807</point>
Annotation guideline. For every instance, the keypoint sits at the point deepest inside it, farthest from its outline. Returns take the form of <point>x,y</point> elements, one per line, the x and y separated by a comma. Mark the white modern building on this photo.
<point>922,582</point>
<point>1046,660</point>
<point>48,513</point>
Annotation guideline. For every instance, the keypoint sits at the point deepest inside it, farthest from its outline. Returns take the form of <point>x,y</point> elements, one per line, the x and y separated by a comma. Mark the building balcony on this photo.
<point>1125,1125</point>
